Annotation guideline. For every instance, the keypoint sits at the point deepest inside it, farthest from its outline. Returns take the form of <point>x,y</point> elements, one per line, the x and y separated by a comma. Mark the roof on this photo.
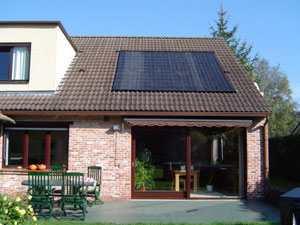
<point>296,129</point>
<point>88,85</point>
<point>6,119</point>
<point>55,23</point>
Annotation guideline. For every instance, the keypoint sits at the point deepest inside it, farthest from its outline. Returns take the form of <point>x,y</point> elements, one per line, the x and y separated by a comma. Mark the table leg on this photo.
<point>195,177</point>
<point>176,182</point>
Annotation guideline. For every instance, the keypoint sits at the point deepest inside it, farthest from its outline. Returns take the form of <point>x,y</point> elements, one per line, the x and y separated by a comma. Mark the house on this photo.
<point>182,109</point>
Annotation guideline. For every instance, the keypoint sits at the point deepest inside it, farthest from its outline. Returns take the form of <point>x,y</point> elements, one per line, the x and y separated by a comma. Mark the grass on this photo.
<point>85,223</point>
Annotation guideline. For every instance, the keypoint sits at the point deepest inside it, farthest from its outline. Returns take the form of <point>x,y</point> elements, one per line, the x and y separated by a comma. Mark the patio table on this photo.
<point>291,200</point>
<point>87,182</point>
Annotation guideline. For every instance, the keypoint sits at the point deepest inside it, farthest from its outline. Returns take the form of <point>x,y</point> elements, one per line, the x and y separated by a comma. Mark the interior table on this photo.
<point>194,174</point>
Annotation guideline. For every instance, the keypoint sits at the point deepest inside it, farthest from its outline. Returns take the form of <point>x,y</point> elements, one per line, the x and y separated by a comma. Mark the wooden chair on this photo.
<point>42,195</point>
<point>73,200</point>
<point>57,172</point>
<point>95,172</point>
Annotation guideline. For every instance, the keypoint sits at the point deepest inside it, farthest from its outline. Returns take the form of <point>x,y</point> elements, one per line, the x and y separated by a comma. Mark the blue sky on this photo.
<point>272,26</point>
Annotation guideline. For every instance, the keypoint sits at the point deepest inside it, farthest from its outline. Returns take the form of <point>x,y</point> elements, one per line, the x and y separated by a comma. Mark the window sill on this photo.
<point>14,81</point>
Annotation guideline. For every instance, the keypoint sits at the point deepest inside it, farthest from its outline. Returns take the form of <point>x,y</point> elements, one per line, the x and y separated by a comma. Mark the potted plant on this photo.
<point>144,174</point>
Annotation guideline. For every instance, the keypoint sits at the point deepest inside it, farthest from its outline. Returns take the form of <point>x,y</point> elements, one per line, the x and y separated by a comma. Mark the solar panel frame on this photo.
<point>179,71</point>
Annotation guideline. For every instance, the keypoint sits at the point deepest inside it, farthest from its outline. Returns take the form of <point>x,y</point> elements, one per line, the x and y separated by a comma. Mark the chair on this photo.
<point>57,173</point>
<point>42,195</point>
<point>95,172</point>
<point>74,196</point>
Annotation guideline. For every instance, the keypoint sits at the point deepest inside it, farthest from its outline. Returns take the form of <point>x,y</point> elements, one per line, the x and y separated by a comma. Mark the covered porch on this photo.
<point>188,158</point>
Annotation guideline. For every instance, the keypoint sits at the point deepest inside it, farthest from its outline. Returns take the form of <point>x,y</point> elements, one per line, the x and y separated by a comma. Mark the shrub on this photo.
<point>284,157</point>
<point>15,212</point>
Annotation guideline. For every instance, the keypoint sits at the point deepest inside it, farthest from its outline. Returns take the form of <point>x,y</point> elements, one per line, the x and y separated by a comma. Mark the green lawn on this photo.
<point>85,223</point>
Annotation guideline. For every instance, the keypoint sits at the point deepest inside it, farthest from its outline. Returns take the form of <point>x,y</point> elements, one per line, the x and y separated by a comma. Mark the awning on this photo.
<point>6,119</point>
<point>161,122</point>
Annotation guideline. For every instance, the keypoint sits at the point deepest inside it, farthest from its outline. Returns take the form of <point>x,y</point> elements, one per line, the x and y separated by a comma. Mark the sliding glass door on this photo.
<point>164,156</point>
<point>216,167</point>
<point>160,162</point>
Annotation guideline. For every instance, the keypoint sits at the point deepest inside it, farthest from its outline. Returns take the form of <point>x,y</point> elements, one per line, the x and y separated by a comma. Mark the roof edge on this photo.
<point>135,113</point>
<point>58,23</point>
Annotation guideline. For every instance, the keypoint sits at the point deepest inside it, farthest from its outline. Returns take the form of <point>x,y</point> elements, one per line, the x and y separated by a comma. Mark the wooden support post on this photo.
<point>47,149</point>
<point>25,149</point>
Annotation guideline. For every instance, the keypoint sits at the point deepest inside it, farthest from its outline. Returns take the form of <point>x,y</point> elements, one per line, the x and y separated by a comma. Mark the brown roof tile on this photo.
<point>90,89</point>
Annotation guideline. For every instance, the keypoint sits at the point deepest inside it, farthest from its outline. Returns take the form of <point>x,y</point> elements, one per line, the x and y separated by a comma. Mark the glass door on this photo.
<point>216,163</point>
<point>159,162</point>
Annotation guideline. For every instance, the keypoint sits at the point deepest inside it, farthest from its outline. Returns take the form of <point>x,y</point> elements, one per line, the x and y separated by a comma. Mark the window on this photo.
<point>25,146</point>
<point>14,62</point>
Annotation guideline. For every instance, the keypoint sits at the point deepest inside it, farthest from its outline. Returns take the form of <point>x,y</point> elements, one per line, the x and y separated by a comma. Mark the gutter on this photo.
<point>266,151</point>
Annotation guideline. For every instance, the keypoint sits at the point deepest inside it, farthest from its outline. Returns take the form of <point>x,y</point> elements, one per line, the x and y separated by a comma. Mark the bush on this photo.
<point>15,212</point>
<point>284,157</point>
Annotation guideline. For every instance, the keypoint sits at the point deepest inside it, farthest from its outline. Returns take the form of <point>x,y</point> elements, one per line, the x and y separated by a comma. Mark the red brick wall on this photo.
<point>255,161</point>
<point>94,143</point>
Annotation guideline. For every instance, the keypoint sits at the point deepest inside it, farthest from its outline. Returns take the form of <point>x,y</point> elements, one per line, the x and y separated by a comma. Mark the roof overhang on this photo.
<point>163,122</point>
<point>135,113</point>
<point>296,130</point>
<point>45,23</point>
<point>6,119</point>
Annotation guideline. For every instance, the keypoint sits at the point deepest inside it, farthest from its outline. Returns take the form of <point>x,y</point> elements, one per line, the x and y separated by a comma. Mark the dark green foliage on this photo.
<point>278,94</point>
<point>284,157</point>
<point>241,49</point>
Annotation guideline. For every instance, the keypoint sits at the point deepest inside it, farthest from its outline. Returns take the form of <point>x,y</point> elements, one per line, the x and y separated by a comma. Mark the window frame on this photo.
<point>48,127</point>
<point>11,46</point>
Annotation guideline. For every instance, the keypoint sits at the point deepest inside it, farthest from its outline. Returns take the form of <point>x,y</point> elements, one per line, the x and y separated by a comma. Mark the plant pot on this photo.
<point>142,188</point>
<point>209,187</point>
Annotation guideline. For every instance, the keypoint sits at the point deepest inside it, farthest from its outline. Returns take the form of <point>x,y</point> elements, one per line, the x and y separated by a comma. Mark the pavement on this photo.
<point>172,211</point>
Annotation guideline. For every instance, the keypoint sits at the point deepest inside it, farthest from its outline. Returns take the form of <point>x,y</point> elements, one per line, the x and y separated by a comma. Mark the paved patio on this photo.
<point>137,211</point>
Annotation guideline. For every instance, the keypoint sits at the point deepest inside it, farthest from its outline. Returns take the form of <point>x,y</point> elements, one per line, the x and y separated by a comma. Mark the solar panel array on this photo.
<point>170,71</point>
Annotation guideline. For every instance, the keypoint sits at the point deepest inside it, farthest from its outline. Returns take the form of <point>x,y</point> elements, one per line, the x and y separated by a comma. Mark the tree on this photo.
<point>274,84</point>
<point>241,49</point>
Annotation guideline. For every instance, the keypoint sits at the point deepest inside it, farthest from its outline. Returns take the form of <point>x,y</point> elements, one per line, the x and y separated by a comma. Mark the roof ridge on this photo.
<point>155,37</point>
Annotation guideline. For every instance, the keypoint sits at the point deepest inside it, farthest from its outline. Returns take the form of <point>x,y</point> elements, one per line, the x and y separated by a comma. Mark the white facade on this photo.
<point>50,56</point>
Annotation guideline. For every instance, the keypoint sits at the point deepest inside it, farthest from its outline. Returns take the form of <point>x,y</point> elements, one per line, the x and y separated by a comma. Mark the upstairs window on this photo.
<point>14,62</point>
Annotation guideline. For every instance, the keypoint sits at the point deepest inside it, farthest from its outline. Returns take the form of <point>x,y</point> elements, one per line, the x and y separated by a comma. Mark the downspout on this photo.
<point>266,152</point>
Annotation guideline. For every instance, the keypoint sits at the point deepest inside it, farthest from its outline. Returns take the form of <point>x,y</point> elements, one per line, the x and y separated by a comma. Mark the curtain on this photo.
<point>20,63</point>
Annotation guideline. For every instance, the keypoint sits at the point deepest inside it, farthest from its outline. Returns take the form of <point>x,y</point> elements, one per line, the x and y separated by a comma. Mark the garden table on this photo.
<point>291,200</point>
<point>52,182</point>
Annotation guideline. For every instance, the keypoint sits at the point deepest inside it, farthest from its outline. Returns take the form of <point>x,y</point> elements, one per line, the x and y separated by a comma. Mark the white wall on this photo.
<point>51,54</point>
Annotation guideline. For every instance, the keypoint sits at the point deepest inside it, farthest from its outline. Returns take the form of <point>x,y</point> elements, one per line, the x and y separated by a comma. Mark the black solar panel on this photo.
<point>170,71</point>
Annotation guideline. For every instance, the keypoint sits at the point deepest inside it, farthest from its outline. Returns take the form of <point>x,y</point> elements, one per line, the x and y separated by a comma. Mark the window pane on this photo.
<point>215,154</point>
<point>36,148</point>
<point>59,147</point>
<point>160,160</point>
<point>4,63</point>
<point>20,67</point>
<point>14,150</point>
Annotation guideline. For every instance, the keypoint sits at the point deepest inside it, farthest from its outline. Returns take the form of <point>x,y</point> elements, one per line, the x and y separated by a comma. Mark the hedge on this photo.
<point>284,155</point>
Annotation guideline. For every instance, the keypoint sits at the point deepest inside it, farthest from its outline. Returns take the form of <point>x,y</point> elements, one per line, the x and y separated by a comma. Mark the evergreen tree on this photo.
<point>241,49</point>
<point>278,94</point>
